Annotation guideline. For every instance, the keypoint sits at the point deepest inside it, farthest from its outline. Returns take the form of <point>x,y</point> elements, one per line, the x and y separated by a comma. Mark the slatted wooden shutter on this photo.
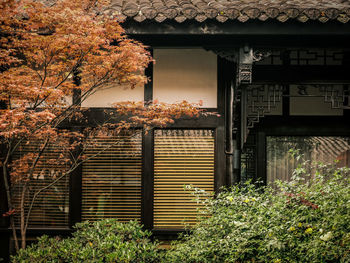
<point>51,207</point>
<point>111,179</point>
<point>181,157</point>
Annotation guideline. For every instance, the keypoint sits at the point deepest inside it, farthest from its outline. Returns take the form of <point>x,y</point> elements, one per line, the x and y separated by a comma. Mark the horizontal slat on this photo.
<point>113,211</point>
<point>51,206</point>
<point>178,161</point>
<point>111,181</point>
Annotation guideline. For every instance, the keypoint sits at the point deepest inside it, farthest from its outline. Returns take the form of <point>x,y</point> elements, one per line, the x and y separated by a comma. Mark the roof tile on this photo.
<point>224,10</point>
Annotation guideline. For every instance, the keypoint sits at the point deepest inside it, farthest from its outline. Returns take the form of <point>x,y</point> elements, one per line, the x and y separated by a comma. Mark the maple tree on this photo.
<point>51,51</point>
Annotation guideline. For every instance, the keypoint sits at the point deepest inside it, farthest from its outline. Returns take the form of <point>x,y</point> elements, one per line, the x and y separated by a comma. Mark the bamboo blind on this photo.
<point>111,178</point>
<point>181,157</point>
<point>51,206</point>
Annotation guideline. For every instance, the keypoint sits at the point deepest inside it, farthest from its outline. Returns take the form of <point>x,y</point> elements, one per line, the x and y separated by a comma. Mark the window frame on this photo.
<point>217,124</point>
<point>295,126</point>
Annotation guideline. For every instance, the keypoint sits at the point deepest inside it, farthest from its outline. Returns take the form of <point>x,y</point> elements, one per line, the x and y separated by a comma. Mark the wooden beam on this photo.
<point>184,40</point>
<point>147,182</point>
<point>301,74</point>
<point>252,27</point>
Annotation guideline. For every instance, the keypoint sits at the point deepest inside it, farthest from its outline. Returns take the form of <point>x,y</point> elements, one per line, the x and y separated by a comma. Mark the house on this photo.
<point>277,72</point>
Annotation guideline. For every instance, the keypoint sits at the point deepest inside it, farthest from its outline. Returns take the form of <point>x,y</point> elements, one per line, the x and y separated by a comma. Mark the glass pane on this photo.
<point>280,164</point>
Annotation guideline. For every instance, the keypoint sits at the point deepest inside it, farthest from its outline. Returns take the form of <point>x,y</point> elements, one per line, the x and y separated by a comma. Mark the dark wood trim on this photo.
<point>238,147</point>
<point>261,157</point>
<point>300,74</point>
<point>223,71</point>
<point>167,234</point>
<point>286,89</point>
<point>40,231</point>
<point>286,101</point>
<point>346,101</point>
<point>305,126</point>
<point>97,116</point>
<point>232,41</point>
<point>148,90</point>
<point>252,27</point>
<point>5,246</point>
<point>147,179</point>
<point>75,192</point>
<point>225,75</point>
<point>75,195</point>
<point>4,221</point>
<point>220,179</point>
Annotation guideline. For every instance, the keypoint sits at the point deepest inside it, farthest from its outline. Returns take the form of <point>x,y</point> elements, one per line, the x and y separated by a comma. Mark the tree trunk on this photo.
<point>23,225</point>
<point>9,203</point>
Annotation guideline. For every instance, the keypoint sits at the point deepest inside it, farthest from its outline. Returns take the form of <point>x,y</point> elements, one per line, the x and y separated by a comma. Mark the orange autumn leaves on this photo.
<point>50,50</point>
<point>45,45</point>
<point>156,114</point>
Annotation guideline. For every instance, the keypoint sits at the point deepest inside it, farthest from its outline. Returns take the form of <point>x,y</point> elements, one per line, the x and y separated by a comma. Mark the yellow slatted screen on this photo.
<point>111,179</point>
<point>181,157</point>
<point>51,207</point>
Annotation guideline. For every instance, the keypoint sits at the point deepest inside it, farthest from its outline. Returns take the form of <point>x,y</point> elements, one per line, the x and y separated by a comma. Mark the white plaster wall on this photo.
<point>185,74</point>
<point>106,96</point>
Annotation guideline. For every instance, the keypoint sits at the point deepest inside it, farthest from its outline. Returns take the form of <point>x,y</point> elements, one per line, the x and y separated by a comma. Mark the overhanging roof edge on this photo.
<point>257,28</point>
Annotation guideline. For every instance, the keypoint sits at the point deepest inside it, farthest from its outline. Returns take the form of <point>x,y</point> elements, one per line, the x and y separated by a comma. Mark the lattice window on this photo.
<point>248,159</point>
<point>315,57</point>
<point>274,58</point>
<point>265,99</point>
<point>321,57</point>
<point>181,157</point>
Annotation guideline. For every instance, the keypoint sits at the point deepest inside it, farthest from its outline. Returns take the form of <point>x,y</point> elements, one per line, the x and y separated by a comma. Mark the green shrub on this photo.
<point>103,241</point>
<point>300,221</point>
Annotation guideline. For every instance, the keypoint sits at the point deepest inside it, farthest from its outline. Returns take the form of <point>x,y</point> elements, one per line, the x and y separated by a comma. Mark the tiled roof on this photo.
<point>224,10</point>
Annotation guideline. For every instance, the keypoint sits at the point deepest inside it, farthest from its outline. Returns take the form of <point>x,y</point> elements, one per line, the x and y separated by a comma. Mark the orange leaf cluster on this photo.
<point>45,46</point>
<point>156,114</point>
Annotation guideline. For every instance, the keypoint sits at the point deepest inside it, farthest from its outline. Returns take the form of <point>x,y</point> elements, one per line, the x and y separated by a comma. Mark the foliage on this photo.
<point>51,51</point>
<point>301,221</point>
<point>103,241</point>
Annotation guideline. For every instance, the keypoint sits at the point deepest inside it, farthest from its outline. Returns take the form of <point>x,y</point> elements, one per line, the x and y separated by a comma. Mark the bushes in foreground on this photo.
<point>300,221</point>
<point>103,241</point>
